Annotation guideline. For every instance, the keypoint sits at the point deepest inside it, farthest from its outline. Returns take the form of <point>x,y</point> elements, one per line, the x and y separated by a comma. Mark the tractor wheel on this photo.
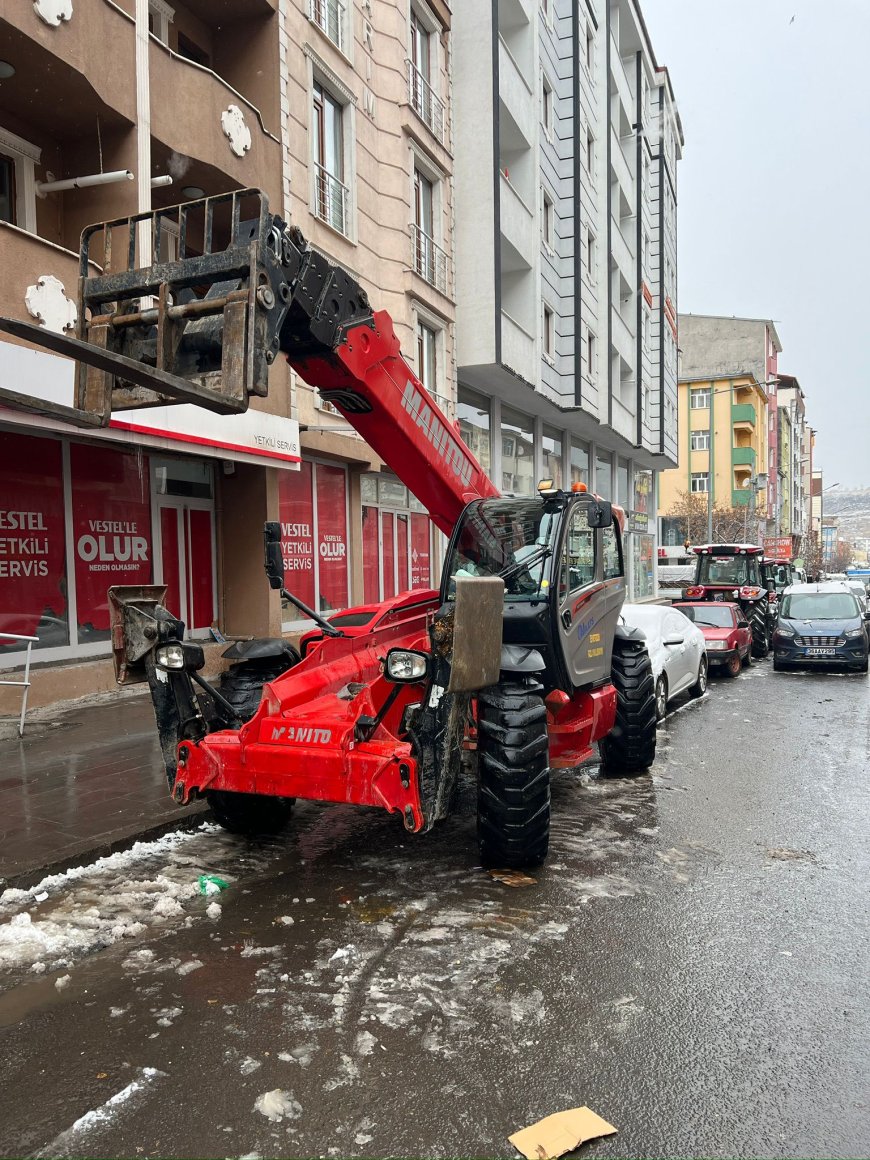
<point>734,666</point>
<point>249,813</point>
<point>747,660</point>
<point>758,621</point>
<point>700,686</point>
<point>513,797</point>
<point>630,747</point>
<point>242,684</point>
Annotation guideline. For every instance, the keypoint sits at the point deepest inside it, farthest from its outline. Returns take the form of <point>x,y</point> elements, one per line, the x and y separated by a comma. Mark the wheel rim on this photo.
<point>702,677</point>
<point>661,698</point>
<point>734,666</point>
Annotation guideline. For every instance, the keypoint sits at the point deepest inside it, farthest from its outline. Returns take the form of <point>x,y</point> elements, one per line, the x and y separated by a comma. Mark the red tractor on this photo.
<point>519,653</point>
<point>736,573</point>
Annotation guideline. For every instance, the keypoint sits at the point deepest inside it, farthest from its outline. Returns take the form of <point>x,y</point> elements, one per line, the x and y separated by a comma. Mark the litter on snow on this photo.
<point>560,1133</point>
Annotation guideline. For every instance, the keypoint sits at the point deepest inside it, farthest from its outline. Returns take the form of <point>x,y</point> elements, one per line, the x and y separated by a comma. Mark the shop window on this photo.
<point>332,554</point>
<point>314,536</point>
<point>603,477</point>
<point>552,455</point>
<point>518,467</point>
<point>33,580</point>
<point>396,543</point>
<point>622,495</point>
<point>296,512</point>
<point>472,412</point>
<point>183,477</point>
<point>111,507</point>
<point>579,462</point>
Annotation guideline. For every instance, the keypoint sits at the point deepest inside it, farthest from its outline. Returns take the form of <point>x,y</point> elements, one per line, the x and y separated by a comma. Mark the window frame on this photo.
<point>547,109</point>
<point>580,514</point>
<point>548,220</point>
<point>343,105</point>
<point>700,433</point>
<point>591,355</point>
<point>163,15</point>
<point>24,157</point>
<point>699,477</point>
<point>696,393</point>
<point>548,332</point>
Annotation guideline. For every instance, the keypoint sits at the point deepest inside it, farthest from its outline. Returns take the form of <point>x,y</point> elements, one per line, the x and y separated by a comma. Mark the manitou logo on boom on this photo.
<point>442,440</point>
<point>302,735</point>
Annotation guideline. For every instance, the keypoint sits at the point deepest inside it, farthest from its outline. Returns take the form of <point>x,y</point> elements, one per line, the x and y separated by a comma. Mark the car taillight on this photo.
<point>747,592</point>
<point>694,591</point>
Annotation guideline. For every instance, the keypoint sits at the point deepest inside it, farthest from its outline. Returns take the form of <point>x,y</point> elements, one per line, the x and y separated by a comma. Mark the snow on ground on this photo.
<point>151,886</point>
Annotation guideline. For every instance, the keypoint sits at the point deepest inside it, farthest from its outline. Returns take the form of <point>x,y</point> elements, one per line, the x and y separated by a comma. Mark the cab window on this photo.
<point>612,553</point>
<point>578,557</point>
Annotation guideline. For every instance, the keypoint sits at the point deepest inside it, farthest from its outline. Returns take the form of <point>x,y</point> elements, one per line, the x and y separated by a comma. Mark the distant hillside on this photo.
<point>852,505</point>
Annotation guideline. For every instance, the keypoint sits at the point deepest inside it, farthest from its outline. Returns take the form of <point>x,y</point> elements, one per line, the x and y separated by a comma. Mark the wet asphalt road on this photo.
<point>692,964</point>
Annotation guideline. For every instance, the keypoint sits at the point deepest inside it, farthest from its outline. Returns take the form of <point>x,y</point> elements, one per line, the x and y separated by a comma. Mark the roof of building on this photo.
<point>735,318</point>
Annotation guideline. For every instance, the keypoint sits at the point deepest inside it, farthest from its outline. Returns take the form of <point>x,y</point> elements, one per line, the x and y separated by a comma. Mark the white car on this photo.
<point>677,651</point>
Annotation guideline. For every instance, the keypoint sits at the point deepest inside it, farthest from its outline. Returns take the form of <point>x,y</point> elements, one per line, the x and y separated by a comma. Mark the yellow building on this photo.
<point>722,444</point>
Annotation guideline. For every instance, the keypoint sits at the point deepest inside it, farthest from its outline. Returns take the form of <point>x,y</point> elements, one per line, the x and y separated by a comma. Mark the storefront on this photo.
<point>396,539</point>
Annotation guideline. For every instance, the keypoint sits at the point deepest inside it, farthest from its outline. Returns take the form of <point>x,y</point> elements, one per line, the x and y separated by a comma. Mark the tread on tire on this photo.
<point>630,747</point>
<point>757,618</point>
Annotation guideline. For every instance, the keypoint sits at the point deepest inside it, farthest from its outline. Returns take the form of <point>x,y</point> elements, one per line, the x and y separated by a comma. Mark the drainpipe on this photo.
<point>143,130</point>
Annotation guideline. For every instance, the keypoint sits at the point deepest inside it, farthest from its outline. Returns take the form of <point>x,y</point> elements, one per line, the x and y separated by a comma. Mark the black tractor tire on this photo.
<point>747,660</point>
<point>630,747</point>
<point>251,814</point>
<point>757,617</point>
<point>513,796</point>
<point>242,684</point>
<point>700,686</point>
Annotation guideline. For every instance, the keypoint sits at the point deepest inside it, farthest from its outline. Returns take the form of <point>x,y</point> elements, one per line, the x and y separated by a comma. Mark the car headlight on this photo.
<point>717,645</point>
<point>854,632</point>
<point>406,666</point>
<point>780,631</point>
<point>170,656</point>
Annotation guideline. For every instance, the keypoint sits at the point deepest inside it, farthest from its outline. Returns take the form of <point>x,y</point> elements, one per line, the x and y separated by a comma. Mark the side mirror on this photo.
<point>600,514</point>
<point>274,561</point>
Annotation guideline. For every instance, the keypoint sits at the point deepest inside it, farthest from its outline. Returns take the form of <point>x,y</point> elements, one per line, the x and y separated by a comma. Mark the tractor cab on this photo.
<point>736,573</point>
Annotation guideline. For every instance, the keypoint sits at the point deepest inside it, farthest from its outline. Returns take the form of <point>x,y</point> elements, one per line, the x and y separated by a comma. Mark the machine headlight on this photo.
<point>405,666</point>
<point>717,645</point>
<point>170,656</point>
<point>853,633</point>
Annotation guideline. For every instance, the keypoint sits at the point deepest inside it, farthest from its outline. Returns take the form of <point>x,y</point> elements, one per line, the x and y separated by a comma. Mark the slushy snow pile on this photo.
<point>66,916</point>
<point>277,1104</point>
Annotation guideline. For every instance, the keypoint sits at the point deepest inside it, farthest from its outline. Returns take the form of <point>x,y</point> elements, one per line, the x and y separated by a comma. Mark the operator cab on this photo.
<point>560,557</point>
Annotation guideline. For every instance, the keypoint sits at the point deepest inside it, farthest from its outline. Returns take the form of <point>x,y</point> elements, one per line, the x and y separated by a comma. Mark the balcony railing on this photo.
<point>425,102</point>
<point>430,261</point>
<point>331,199</point>
<point>329,16</point>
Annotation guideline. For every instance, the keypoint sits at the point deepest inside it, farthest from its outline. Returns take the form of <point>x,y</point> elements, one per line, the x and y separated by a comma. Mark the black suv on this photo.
<point>820,624</point>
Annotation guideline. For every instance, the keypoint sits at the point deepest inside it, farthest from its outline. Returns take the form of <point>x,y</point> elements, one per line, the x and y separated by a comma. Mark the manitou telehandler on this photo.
<point>520,652</point>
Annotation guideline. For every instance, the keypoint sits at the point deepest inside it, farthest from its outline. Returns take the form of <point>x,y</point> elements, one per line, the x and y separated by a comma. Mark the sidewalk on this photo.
<point>79,784</point>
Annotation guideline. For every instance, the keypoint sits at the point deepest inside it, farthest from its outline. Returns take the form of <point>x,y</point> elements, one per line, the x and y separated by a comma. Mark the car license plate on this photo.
<point>821,652</point>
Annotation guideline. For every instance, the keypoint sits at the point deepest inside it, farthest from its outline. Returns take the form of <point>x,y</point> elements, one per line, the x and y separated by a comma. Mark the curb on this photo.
<point>27,878</point>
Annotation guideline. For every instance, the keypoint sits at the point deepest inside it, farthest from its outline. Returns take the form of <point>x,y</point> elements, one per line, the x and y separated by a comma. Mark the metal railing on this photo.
<point>25,684</point>
<point>425,101</point>
<point>331,199</point>
<point>329,16</point>
<point>430,261</point>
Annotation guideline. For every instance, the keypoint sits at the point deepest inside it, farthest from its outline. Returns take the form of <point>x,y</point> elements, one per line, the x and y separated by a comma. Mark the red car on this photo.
<point>726,632</point>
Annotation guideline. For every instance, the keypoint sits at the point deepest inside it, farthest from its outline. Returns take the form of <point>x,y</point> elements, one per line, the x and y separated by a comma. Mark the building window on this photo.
<point>622,477</point>
<point>590,47</point>
<point>700,481</point>
<point>329,16</point>
<point>517,465</point>
<point>546,106</point>
<point>548,222</point>
<point>590,252</point>
<point>160,16</point>
<point>590,355</point>
<point>18,181</point>
<point>548,333</point>
<point>331,194</point>
<point>472,413</point>
<point>646,329</point>
<point>700,440</point>
<point>579,454</point>
<point>430,261</point>
<point>590,153</point>
<point>603,476</point>
<point>427,357</point>
<point>424,100</point>
<point>192,51</point>
<point>699,398</point>
<point>551,454</point>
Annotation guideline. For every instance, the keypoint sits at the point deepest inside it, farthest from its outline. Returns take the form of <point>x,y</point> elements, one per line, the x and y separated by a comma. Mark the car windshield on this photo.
<point>497,537</point>
<point>820,606</point>
<point>724,570</point>
<point>710,616</point>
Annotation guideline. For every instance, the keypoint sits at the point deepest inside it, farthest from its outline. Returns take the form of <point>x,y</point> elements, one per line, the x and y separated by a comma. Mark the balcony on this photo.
<point>743,413</point>
<point>517,221</point>
<point>27,257</point>
<point>623,339</point>
<point>331,200</point>
<point>518,349</point>
<point>426,103</point>
<point>515,92</point>
<point>743,457</point>
<point>621,168</point>
<point>330,16</point>
<point>623,251</point>
<point>430,261</point>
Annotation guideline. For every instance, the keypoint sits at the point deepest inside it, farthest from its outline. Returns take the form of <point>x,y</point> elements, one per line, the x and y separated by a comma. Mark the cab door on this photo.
<point>582,600</point>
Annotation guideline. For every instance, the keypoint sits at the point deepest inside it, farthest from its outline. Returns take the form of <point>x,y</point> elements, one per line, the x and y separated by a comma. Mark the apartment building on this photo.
<point>369,180</point>
<point>713,345</point>
<point>793,461</point>
<point>567,141</point>
<point>723,425</point>
<point>341,114</point>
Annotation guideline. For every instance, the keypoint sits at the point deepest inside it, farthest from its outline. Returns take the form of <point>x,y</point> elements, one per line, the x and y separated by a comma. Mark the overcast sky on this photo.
<point>774,190</point>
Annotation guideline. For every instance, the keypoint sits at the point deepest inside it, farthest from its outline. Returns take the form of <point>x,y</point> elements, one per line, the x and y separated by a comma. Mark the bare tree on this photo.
<point>690,511</point>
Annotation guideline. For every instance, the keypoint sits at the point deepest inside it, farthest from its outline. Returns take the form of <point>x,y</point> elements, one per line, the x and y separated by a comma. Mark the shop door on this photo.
<point>183,529</point>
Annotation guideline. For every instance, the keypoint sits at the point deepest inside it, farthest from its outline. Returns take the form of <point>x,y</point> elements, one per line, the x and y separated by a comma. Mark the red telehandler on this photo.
<point>520,653</point>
